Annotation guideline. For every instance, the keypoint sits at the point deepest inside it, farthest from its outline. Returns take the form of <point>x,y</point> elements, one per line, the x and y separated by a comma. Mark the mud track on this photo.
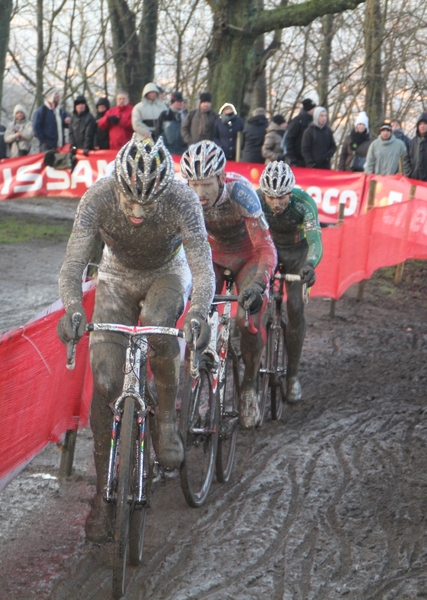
<point>328,503</point>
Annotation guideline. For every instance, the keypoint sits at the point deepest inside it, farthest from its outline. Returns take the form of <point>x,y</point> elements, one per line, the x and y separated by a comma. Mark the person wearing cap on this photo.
<point>199,123</point>
<point>146,113</point>
<point>102,141</point>
<point>118,122</point>
<point>19,133</point>
<point>50,120</point>
<point>356,144</point>
<point>318,144</point>
<point>272,148</point>
<point>415,165</point>
<point>295,131</point>
<point>226,128</point>
<point>384,153</point>
<point>82,126</point>
<point>169,125</point>
<point>253,136</point>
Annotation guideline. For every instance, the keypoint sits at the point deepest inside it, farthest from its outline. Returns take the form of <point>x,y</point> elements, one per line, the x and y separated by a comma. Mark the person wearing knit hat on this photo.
<point>101,141</point>
<point>356,145</point>
<point>19,133</point>
<point>226,128</point>
<point>50,120</point>
<point>170,123</point>
<point>384,153</point>
<point>272,148</point>
<point>199,123</point>
<point>295,131</point>
<point>82,126</point>
<point>318,144</point>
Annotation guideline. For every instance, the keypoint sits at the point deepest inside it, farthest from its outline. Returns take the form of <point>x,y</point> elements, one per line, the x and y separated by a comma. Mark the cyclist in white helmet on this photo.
<point>294,225</point>
<point>240,242</point>
<point>155,248</point>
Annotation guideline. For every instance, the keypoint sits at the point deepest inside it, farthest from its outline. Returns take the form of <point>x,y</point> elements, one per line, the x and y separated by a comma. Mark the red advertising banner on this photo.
<point>27,177</point>
<point>393,189</point>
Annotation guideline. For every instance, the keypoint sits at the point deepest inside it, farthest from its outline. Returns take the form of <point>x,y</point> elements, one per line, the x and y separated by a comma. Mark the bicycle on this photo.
<point>210,402</point>
<point>272,373</point>
<point>131,461</point>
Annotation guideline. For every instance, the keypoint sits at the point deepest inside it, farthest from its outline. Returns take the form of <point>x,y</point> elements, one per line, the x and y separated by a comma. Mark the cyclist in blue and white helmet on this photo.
<point>155,251</point>
<point>294,225</point>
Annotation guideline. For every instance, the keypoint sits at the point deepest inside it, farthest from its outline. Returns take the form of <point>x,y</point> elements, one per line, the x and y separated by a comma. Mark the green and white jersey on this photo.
<point>299,221</point>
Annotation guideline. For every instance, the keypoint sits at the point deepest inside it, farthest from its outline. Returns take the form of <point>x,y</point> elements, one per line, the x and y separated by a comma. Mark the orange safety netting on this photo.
<point>40,399</point>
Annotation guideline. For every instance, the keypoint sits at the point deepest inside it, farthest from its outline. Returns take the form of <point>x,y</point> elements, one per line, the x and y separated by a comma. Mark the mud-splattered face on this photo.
<point>208,190</point>
<point>278,205</point>
<point>136,213</point>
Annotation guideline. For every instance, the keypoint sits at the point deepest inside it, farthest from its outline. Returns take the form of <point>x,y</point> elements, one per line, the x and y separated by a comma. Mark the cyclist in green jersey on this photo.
<point>294,226</point>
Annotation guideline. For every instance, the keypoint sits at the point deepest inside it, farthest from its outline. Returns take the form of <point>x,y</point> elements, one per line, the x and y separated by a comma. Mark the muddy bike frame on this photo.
<point>129,475</point>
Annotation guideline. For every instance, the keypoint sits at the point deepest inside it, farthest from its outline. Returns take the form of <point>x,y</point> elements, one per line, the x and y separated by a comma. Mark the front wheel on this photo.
<point>278,380</point>
<point>126,457</point>
<point>199,430</point>
<point>264,373</point>
<point>139,513</point>
<point>228,418</point>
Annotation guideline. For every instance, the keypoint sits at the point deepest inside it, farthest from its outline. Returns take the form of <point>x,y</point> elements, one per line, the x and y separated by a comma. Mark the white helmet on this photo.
<point>202,161</point>
<point>277,179</point>
<point>144,169</point>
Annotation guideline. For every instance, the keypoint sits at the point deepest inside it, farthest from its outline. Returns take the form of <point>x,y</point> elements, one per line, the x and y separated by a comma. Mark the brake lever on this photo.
<point>71,345</point>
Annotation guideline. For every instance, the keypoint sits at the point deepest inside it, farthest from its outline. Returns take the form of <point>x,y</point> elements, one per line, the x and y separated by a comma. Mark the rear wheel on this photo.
<point>126,453</point>
<point>199,430</point>
<point>139,513</point>
<point>228,419</point>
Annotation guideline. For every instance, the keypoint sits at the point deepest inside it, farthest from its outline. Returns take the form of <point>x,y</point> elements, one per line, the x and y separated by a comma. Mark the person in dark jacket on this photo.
<point>169,125</point>
<point>253,136</point>
<point>102,141</point>
<point>82,126</point>
<point>396,128</point>
<point>295,131</point>
<point>2,142</point>
<point>415,163</point>
<point>226,128</point>
<point>318,144</point>
<point>199,123</point>
<point>50,120</point>
<point>356,145</point>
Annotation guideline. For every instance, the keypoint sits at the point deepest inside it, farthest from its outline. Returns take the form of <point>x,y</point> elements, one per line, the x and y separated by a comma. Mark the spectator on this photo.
<point>318,144</point>
<point>147,112</point>
<point>226,128</point>
<point>384,152</point>
<point>102,141</point>
<point>82,126</point>
<point>295,131</point>
<point>118,122</point>
<point>170,123</point>
<point>272,146</point>
<point>19,133</point>
<point>50,120</point>
<point>396,128</point>
<point>199,124</point>
<point>416,161</point>
<point>253,136</point>
<point>356,145</point>
<point>2,142</point>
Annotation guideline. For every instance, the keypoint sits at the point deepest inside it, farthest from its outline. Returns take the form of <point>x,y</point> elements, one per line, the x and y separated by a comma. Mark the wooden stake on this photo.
<point>339,223</point>
<point>399,269</point>
<point>67,454</point>
<point>238,146</point>
<point>371,204</point>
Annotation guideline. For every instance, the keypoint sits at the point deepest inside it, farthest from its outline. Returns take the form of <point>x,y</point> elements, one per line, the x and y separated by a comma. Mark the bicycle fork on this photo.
<point>133,387</point>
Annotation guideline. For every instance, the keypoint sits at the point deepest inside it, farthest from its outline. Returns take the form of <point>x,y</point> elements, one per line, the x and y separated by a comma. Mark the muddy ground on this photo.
<point>328,503</point>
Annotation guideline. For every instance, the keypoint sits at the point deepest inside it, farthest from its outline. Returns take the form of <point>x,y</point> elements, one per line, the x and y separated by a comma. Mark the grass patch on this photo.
<point>16,230</point>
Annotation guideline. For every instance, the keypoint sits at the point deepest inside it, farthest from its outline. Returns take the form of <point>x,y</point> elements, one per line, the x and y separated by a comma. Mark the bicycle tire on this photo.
<point>264,375</point>
<point>198,467</point>
<point>228,420</point>
<point>139,513</point>
<point>278,382</point>
<point>123,508</point>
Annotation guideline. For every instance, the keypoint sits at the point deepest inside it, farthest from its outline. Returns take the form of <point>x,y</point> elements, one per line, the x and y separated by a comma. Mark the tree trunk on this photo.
<point>325,59</point>
<point>148,40</point>
<point>373,70</point>
<point>5,12</point>
<point>40,54</point>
